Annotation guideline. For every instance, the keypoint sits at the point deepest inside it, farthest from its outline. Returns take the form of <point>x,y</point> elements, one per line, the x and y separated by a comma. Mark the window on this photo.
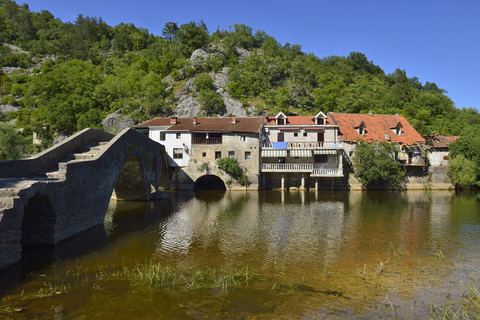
<point>248,155</point>
<point>361,131</point>
<point>177,153</point>
<point>231,154</point>
<point>179,135</point>
<point>398,130</point>
<point>162,136</point>
<point>280,121</point>
<point>305,134</point>
<point>295,134</point>
<point>204,154</point>
<point>218,154</point>
<point>320,158</point>
<point>243,138</point>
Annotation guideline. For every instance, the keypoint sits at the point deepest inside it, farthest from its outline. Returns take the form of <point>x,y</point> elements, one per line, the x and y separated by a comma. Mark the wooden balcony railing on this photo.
<point>207,141</point>
<point>307,145</point>
<point>327,173</point>
<point>287,167</point>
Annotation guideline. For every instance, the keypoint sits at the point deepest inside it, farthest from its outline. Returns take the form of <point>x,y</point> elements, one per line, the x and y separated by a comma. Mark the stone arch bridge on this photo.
<point>65,190</point>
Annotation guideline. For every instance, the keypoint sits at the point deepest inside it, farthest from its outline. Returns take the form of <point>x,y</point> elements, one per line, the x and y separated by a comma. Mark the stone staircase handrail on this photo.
<point>49,158</point>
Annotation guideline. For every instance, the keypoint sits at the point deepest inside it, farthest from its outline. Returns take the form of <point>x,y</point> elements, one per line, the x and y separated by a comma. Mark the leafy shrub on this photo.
<point>462,172</point>
<point>375,167</point>
<point>233,168</point>
<point>230,166</point>
<point>12,144</point>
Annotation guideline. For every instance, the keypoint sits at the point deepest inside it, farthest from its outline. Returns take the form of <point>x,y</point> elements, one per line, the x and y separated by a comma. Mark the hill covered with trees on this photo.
<point>62,77</point>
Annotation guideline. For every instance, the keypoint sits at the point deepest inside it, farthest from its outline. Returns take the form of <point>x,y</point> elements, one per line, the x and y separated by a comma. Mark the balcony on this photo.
<point>207,140</point>
<point>307,145</point>
<point>287,167</point>
<point>302,167</point>
<point>327,173</point>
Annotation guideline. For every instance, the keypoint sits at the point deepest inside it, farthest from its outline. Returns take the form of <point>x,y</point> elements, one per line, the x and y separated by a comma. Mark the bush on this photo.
<point>233,168</point>
<point>463,172</point>
<point>12,145</point>
<point>230,166</point>
<point>375,167</point>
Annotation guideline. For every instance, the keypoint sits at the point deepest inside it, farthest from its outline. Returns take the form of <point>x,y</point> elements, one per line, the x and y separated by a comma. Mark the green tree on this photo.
<point>375,167</point>
<point>12,144</point>
<point>463,172</point>
<point>170,31</point>
<point>211,102</point>
<point>467,150</point>
<point>192,36</point>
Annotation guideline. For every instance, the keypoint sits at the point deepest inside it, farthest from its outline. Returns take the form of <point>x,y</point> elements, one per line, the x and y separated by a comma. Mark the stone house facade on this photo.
<point>438,152</point>
<point>278,151</point>
<point>194,144</point>
<point>300,151</point>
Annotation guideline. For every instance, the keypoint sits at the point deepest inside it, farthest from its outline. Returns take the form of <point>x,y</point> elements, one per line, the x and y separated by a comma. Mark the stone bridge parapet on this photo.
<point>51,199</point>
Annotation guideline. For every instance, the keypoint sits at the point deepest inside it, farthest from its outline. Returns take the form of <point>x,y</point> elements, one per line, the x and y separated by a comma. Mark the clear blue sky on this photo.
<point>436,41</point>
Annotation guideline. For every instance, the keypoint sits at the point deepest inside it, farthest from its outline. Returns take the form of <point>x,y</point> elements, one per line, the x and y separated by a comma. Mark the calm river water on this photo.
<point>289,255</point>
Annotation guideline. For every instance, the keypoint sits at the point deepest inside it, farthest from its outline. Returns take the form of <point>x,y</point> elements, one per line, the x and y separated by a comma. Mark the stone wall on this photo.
<point>77,200</point>
<point>48,159</point>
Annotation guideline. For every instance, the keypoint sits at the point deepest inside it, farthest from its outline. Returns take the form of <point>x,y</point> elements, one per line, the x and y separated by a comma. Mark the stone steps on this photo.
<point>6,202</point>
<point>88,152</point>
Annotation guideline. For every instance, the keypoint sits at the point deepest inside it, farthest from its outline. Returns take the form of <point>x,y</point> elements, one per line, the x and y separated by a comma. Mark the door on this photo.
<point>320,138</point>
<point>280,137</point>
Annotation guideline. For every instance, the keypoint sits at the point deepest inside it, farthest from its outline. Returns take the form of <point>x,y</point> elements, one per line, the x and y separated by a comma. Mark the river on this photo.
<point>259,255</point>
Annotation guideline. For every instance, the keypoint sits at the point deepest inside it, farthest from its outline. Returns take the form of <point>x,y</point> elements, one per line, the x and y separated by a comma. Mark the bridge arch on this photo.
<point>131,183</point>
<point>209,182</point>
<point>39,220</point>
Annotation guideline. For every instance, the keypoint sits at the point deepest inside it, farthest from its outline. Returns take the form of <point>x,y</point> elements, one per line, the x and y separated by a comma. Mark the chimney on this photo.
<point>195,121</point>
<point>234,119</point>
<point>173,121</point>
<point>265,115</point>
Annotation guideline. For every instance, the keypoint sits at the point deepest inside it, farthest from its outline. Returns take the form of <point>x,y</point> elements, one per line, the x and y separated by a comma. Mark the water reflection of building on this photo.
<point>241,228</point>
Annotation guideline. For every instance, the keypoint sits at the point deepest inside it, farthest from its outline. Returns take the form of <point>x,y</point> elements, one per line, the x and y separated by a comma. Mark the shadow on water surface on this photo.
<point>121,217</point>
<point>209,195</point>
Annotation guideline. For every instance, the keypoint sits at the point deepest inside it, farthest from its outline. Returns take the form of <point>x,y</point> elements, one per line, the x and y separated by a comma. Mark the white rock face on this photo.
<point>220,79</point>
<point>116,122</point>
<point>5,109</point>
<point>187,107</point>
<point>199,56</point>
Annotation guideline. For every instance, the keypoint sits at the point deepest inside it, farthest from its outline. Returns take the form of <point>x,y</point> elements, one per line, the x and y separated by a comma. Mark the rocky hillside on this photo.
<point>62,77</point>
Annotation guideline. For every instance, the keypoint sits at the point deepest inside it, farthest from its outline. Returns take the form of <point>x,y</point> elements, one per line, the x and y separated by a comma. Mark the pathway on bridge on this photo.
<point>61,193</point>
<point>10,188</point>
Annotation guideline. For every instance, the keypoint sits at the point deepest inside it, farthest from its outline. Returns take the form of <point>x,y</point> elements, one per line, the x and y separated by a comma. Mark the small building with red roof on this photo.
<point>438,152</point>
<point>379,127</point>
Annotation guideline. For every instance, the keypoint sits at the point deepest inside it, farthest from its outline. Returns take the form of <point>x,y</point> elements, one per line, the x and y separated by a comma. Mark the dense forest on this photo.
<point>62,77</point>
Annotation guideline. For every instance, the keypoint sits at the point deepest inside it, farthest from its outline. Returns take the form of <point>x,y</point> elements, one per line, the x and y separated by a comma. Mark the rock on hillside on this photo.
<point>187,104</point>
<point>116,122</point>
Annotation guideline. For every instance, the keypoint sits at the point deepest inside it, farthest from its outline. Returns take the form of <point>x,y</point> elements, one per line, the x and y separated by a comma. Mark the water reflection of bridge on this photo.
<point>66,189</point>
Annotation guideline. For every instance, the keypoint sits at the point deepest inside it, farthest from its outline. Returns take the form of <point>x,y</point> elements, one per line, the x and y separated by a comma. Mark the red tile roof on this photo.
<point>297,121</point>
<point>376,128</point>
<point>440,141</point>
<point>245,125</point>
